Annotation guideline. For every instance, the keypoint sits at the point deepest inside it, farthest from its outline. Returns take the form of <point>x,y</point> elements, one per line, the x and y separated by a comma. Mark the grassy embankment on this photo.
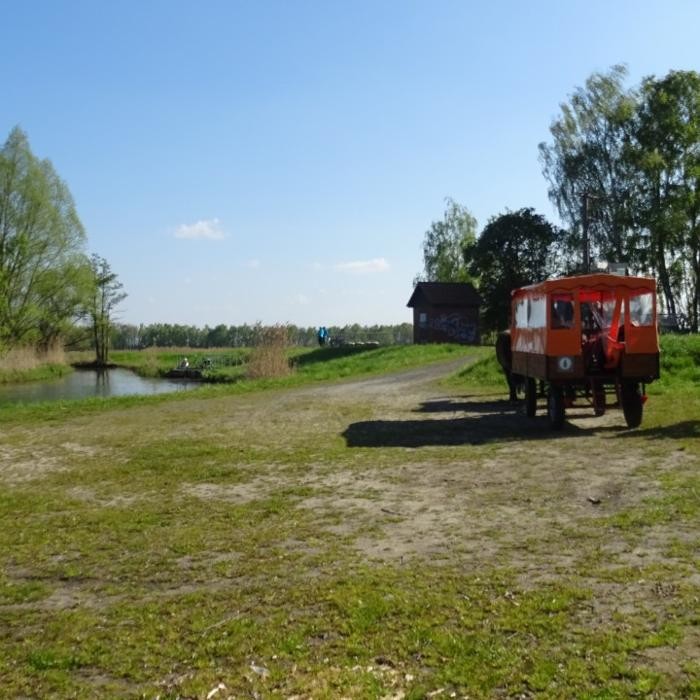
<point>307,364</point>
<point>181,544</point>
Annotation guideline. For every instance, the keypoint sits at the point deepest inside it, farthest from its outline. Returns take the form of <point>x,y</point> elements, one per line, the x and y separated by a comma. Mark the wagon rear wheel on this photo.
<point>530,397</point>
<point>632,406</point>
<point>555,407</point>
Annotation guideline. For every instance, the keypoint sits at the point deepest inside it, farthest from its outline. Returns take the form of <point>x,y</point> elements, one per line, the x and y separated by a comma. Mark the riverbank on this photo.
<point>209,366</point>
<point>94,365</point>
<point>28,364</point>
<point>85,385</point>
<point>309,366</point>
<point>212,365</point>
<point>42,373</point>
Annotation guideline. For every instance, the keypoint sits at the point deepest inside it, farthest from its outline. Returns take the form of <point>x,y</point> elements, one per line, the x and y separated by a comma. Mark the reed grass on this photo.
<point>31,364</point>
<point>19,359</point>
<point>269,358</point>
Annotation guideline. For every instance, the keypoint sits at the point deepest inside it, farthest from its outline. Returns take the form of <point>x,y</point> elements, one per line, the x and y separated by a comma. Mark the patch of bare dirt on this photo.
<point>672,661</point>
<point>238,493</point>
<point>88,495</point>
<point>19,465</point>
<point>33,460</point>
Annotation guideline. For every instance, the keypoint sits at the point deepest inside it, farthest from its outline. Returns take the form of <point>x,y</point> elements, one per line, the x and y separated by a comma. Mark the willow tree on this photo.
<point>589,177</point>
<point>43,271</point>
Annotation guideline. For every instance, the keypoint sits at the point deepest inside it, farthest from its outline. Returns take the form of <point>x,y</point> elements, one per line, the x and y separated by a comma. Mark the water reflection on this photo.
<point>90,383</point>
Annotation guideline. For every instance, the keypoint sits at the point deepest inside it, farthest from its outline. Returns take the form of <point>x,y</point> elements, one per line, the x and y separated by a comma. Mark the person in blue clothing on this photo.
<point>322,336</point>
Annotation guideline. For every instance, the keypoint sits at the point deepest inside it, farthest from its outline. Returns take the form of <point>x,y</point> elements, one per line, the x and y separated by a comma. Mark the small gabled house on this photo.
<point>445,312</point>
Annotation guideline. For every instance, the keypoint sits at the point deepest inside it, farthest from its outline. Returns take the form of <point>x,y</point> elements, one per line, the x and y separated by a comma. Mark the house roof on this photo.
<point>444,294</point>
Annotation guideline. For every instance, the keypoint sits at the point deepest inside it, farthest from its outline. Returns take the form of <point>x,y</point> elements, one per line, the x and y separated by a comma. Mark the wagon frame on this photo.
<point>588,338</point>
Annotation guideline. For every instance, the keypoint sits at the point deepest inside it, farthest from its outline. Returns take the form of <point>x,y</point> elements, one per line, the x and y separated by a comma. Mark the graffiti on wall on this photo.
<point>455,326</point>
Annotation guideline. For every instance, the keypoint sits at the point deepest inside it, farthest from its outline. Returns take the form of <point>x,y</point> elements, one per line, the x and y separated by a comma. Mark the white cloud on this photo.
<point>253,264</point>
<point>208,229</point>
<point>363,267</point>
<point>302,299</point>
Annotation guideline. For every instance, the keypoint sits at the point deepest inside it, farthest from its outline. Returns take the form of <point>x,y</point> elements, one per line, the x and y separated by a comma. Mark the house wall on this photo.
<point>446,324</point>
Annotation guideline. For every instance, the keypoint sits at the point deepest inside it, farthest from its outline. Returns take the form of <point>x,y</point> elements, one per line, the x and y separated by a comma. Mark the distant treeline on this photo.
<point>127,336</point>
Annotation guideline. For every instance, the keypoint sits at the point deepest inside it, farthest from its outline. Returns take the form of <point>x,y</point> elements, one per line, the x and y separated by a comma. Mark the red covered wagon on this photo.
<point>591,338</point>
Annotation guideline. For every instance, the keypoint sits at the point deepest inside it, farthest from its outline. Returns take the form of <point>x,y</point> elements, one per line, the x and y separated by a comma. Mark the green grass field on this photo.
<point>308,537</point>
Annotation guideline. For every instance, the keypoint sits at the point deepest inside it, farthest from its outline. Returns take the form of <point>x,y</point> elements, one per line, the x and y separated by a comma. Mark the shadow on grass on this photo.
<point>496,405</point>
<point>495,421</point>
<point>326,354</point>
<point>677,431</point>
<point>491,421</point>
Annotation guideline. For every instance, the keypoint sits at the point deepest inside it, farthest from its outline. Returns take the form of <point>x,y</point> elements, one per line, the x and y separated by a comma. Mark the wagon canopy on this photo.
<point>562,316</point>
<point>595,282</point>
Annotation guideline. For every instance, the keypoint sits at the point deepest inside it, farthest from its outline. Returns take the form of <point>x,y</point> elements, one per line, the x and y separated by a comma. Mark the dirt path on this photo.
<point>396,389</point>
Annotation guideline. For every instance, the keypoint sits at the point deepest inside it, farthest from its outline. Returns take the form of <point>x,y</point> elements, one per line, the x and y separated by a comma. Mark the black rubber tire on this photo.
<point>632,406</point>
<point>555,407</point>
<point>530,397</point>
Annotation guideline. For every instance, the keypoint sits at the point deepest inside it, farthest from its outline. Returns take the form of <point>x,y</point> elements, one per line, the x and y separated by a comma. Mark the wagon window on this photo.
<point>562,311</point>
<point>521,313</point>
<point>642,309</point>
<point>537,313</point>
<point>607,310</point>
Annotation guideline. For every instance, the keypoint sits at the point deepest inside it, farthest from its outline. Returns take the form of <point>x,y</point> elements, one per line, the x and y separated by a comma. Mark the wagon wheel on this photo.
<point>632,406</point>
<point>530,397</point>
<point>555,407</point>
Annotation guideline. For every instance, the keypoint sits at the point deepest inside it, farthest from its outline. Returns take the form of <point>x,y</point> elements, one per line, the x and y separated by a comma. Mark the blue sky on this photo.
<point>281,161</point>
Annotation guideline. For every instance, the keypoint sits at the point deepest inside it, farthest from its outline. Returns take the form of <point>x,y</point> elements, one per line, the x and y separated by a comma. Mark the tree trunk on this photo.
<point>96,336</point>
<point>695,301</point>
<point>664,278</point>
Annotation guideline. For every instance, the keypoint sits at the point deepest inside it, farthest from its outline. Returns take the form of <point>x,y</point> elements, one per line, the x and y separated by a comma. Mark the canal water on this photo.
<point>85,383</point>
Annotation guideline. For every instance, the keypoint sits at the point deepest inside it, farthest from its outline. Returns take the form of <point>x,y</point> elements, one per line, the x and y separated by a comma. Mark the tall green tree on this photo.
<point>589,179</point>
<point>107,294</point>
<point>43,271</point>
<point>514,249</point>
<point>665,151</point>
<point>444,244</point>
